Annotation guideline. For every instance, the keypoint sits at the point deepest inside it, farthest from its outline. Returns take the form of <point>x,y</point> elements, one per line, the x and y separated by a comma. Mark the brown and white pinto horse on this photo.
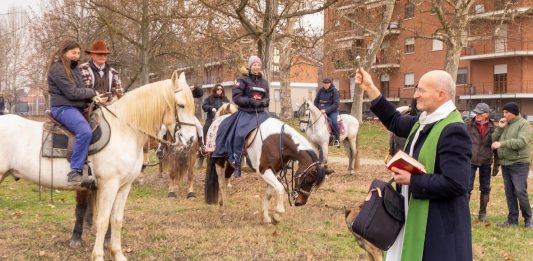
<point>268,152</point>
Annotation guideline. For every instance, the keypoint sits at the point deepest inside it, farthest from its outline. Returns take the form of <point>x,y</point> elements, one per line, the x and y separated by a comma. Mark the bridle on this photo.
<point>303,110</point>
<point>294,186</point>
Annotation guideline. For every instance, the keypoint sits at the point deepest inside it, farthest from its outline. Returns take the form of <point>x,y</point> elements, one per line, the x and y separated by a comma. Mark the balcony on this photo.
<point>488,90</point>
<point>497,49</point>
<point>478,13</point>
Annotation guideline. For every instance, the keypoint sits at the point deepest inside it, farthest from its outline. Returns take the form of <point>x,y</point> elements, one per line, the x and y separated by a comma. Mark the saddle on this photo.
<point>339,122</point>
<point>58,141</point>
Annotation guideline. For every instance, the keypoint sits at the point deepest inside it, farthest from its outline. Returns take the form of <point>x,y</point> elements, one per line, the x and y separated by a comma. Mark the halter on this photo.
<point>308,121</point>
<point>299,177</point>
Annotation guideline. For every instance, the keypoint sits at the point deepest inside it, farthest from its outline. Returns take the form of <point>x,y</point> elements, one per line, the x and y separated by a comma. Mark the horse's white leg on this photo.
<point>325,151</point>
<point>272,181</point>
<point>221,184</point>
<point>349,148</point>
<point>117,217</point>
<point>107,192</point>
<point>266,204</point>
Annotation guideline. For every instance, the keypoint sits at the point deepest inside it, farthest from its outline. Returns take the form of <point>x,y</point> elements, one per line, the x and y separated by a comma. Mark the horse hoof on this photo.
<point>171,195</point>
<point>74,243</point>
<point>191,195</point>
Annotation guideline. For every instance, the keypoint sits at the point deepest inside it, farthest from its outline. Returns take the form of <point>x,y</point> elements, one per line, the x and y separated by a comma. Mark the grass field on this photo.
<point>158,228</point>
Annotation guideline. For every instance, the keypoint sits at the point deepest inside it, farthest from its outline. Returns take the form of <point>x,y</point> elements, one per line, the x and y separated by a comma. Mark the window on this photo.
<point>500,78</point>
<point>409,80</point>
<point>409,45</point>
<point>384,84</point>
<point>462,76</point>
<point>409,10</point>
<point>437,45</point>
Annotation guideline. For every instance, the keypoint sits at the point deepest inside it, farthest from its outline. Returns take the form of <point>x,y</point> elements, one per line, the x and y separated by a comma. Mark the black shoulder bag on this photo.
<point>382,215</point>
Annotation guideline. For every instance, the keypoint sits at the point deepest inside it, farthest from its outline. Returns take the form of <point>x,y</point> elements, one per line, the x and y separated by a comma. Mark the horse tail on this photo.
<point>211,182</point>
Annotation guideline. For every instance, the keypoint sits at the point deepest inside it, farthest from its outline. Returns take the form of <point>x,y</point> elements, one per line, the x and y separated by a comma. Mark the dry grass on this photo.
<point>158,228</point>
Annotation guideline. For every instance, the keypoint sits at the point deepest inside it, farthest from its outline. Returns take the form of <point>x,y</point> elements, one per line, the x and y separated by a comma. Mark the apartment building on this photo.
<point>496,60</point>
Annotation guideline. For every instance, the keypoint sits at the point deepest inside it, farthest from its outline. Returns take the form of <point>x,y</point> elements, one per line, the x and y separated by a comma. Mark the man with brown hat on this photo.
<point>97,74</point>
<point>512,139</point>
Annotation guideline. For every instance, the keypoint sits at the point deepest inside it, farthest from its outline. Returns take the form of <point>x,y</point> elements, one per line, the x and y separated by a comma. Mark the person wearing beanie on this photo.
<point>327,101</point>
<point>480,130</point>
<point>512,140</point>
<point>251,94</point>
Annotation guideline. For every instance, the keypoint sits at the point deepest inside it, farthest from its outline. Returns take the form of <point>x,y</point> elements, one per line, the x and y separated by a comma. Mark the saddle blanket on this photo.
<point>210,140</point>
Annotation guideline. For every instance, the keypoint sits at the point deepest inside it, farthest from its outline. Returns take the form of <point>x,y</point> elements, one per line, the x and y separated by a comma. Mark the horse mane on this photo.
<point>184,97</point>
<point>144,107</point>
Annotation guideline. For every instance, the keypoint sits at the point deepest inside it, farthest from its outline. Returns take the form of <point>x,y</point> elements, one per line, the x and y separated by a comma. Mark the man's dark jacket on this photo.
<point>327,100</point>
<point>482,153</point>
<point>448,232</point>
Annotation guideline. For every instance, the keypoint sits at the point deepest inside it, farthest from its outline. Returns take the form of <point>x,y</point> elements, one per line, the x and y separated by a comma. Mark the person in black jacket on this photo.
<point>251,94</point>
<point>438,225</point>
<point>68,98</point>
<point>327,101</point>
<point>210,106</point>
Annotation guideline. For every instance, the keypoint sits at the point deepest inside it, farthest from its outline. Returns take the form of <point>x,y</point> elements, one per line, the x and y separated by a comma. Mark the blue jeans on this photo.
<point>73,120</point>
<point>515,184</point>
<point>334,125</point>
<point>484,178</point>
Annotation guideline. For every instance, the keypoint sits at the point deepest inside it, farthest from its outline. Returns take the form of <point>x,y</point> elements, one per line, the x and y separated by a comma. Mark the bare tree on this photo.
<point>14,55</point>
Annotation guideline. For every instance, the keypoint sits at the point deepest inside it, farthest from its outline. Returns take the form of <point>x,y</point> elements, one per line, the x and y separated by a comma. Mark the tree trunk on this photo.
<point>145,45</point>
<point>368,61</point>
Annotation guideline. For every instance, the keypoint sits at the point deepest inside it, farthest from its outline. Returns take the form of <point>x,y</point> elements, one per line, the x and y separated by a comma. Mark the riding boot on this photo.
<point>336,142</point>
<point>237,173</point>
<point>483,202</point>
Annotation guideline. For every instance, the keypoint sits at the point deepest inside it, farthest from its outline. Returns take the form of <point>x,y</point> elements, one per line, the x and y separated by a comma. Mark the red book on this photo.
<point>403,161</point>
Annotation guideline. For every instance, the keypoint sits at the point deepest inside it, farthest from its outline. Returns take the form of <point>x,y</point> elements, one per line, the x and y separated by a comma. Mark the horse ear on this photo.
<point>174,79</point>
<point>182,82</point>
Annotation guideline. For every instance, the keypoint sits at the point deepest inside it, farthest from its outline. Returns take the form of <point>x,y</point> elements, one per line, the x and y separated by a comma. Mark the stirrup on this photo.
<point>336,143</point>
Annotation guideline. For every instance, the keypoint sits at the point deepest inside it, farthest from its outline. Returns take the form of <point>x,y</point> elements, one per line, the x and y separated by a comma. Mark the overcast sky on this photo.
<point>6,4</point>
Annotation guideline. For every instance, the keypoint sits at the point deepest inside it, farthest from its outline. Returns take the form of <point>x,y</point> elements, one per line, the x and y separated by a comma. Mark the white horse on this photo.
<point>135,116</point>
<point>314,123</point>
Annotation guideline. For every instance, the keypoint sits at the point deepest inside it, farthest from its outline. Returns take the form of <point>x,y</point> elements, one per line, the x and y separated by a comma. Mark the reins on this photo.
<point>292,192</point>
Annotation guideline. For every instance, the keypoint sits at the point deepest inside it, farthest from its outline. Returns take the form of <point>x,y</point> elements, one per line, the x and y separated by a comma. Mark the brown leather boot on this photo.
<point>483,202</point>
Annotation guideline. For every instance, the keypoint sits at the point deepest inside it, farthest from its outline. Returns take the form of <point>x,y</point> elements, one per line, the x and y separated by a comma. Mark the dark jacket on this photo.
<point>327,99</point>
<point>448,231</point>
<point>213,102</point>
<point>248,86</point>
<point>482,153</point>
<point>66,92</point>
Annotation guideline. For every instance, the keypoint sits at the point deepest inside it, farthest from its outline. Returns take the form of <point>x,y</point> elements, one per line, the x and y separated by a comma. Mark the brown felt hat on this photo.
<point>98,47</point>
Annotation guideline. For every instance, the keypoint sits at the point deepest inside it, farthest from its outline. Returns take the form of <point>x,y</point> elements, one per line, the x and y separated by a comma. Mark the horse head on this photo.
<point>185,131</point>
<point>308,178</point>
<point>304,115</point>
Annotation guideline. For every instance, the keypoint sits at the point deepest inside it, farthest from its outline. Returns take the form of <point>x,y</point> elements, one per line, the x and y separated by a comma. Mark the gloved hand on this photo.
<point>97,98</point>
<point>495,170</point>
<point>265,102</point>
<point>255,103</point>
<point>214,110</point>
